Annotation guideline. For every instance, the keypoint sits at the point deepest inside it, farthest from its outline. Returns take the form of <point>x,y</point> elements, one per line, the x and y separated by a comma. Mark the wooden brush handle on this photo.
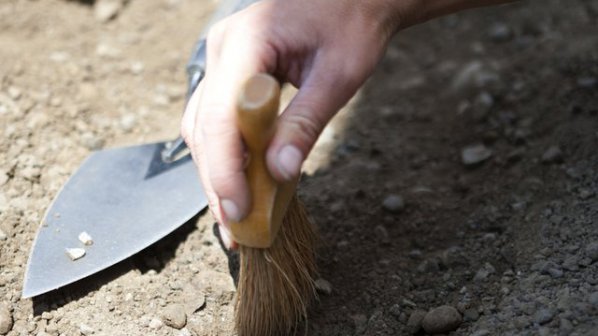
<point>257,110</point>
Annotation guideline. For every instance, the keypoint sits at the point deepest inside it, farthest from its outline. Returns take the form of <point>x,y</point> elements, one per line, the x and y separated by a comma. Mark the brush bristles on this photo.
<point>276,284</point>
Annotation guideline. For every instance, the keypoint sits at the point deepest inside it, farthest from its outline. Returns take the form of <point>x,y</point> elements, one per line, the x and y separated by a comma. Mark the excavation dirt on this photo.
<point>457,193</point>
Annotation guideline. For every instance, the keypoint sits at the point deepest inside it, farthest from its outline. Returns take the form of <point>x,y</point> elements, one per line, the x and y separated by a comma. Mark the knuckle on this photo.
<point>307,128</point>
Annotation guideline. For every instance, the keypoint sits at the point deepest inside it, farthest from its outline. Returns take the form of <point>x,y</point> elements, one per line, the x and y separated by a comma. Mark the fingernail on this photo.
<point>289,161</point>
<point>230,209</point>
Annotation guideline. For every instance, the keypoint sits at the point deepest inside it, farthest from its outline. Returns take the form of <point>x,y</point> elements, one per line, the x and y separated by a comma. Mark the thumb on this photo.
<point>320,96</point>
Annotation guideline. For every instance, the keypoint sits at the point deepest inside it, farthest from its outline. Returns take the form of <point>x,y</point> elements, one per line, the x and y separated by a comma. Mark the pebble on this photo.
<point>593,299</point>
<point>471,314</point>
<point>5,320</point>
<point>483,273</point>
<point>587,82</point>
<point>500,32</point>
<point>475,154</point>
<point>92,141</point>
<point>75,253</point>
<point>106,10</point>
<point>3,177</point>
<point>85,329</point>
<point>414,323</point>
<point>85,238</point>
<point>543,316</point>
<point>592,251</point>
<point>155,323</point>
<point>174,316</point>
<point>360,322</point>
<point>3,235</point>
<point>393,203</point>
<point>323,286</point>
<point>127,122</point>
<point>552,155</point>
<point>382,234</point>
<point>473,75</point>
<point>441,319</point>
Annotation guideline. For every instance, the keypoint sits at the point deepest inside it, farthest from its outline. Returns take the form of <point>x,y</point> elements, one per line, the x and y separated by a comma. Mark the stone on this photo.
<point>106,10</point>
<point>441,320</point>
<point>75,253</point>
<point>92,141</point>
<point>85,329</point>
<point>592,251</point>
<point>323,286</point>
<point>414,323</point>
<point>500,32</point>
<point>3,235</point>
<point>393,203</point>
<point>127,122</point>
<point>475,154</point>
<point>593,299</point>
<point>471,315</point>
<point>174,316</point>
<point>483,273</point>
<point>552,155</point>
<point>85,238</point>
<point>155,324</point>
<point>543,316</point>
<point>6,320</point>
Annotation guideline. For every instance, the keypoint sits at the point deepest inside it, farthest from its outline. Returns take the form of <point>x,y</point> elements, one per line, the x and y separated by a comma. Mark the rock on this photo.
<point>3,177</point>
<point>3,235</point>
<point>483,273</point>
<point>587,82</point>
<point>500,32</point>
<point>592,251</point>
<point>543,316</point>
<point>474,75</point>
<point>174,316</point>
<point>155,324</point>
<point>475,154</point>
<point>106,10</point>
<point>92,141</point>
<point>441,319</point>
<point>360,322</point>
<point>14,93</point>
<point>323,286</point>
<point>195,301</point>
<point>75,253</point>
<point>393,203</point>
<point>382,234</point>
<point>471,315</point>
<point>414,323</point>
<point>586,194</point>
<point>127,122</point>
<point>85,329</point>
<point>6,320</point>
<point>593,299</point>
<point>85,238</point>
<point>552,155</point>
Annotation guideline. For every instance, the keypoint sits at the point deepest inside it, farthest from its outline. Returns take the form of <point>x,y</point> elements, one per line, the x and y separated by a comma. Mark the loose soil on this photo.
<point>511,241</point>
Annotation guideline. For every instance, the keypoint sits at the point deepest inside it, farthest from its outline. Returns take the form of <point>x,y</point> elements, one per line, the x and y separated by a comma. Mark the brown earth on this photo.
<point>511,242</point>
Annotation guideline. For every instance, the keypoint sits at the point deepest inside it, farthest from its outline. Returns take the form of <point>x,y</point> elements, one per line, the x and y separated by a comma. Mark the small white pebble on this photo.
<point>85,238</point>
<point>323,286</point>
<point>75,253</point>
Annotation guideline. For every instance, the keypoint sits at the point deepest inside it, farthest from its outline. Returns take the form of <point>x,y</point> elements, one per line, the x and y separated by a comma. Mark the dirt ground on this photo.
<point>464,174</point>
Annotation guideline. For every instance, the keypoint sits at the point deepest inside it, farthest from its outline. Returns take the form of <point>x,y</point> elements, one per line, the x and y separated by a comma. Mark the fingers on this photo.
<point>326,89</point>
<point>209,124</point>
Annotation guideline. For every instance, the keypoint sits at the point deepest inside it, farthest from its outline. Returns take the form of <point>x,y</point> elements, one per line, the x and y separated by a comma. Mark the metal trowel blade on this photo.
<point>125,199</point>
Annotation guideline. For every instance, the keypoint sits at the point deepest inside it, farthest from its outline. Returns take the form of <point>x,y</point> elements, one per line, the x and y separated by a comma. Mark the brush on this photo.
<point>277,239</point>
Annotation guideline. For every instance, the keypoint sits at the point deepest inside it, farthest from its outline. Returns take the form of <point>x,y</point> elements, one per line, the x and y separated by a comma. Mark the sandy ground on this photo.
<point>464,174</point>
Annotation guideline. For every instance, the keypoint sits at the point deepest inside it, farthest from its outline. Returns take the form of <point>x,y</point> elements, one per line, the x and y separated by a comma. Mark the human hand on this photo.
<point>325,48</point>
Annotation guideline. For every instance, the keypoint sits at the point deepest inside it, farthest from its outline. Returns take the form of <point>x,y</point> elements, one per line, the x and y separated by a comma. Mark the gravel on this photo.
<point>543,316</point>
<point>6,320</point>
<point>592,251</point>
<point>552,155</point>
<point>174,316</point>
<point>414,323</point>
<point>475,154</point>
<point>323,286</point>
<point>441,319</point>
<point>393,203</point>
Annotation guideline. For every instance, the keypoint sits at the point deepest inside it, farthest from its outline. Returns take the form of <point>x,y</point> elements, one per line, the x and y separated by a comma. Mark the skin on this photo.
<point>325,48</point>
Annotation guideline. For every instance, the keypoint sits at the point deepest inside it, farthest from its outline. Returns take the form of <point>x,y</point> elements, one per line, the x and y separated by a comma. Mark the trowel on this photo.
<point>120,200</point>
